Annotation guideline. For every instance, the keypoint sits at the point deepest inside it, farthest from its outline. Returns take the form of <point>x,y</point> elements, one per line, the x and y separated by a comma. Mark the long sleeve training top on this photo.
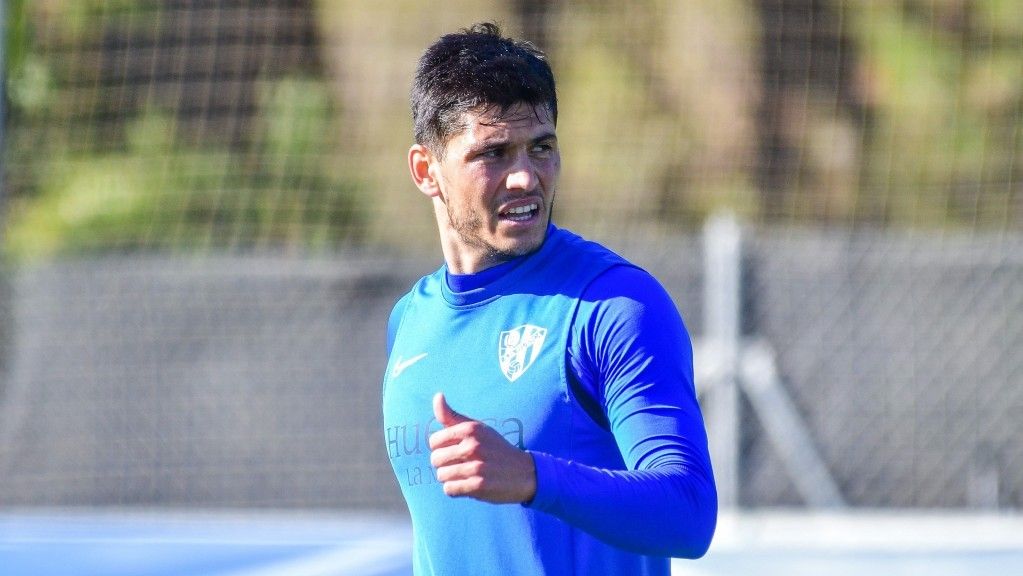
<point>625,476</point>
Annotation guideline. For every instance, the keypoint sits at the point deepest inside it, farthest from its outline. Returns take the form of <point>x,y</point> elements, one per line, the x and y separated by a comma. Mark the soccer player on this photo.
<point>539,408</point>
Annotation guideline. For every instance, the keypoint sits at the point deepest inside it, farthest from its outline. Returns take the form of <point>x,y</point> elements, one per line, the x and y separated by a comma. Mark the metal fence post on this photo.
<point>722,239</point>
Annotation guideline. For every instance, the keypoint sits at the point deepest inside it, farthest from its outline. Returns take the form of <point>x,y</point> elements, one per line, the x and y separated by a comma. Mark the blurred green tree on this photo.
<point>131,131</point>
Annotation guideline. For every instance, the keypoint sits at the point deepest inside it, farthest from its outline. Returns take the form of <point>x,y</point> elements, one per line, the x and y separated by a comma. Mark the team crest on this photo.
<point>518,348</point>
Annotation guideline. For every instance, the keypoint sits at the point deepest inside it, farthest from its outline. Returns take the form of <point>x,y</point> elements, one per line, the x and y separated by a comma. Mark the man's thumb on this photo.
<point>444,414</point>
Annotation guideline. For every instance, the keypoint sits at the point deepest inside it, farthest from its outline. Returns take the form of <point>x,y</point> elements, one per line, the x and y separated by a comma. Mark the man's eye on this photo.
<point>492,153</point>
<point>542,148</point>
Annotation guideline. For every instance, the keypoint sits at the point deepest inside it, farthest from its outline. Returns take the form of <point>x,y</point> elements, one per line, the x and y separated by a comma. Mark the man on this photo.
<point>539,407</point>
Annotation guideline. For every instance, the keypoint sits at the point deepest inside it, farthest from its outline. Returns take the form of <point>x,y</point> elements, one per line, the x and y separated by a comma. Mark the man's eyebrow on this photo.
<point>500,142</point>
<point>482,146</point>
<point>494,142</point>
<point>546,136</point>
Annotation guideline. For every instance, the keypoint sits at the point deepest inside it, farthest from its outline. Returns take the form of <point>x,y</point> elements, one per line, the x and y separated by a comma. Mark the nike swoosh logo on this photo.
<point>401,365</point>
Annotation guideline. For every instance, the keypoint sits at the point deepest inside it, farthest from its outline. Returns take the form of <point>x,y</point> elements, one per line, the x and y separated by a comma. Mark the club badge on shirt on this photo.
<point>518,349</point>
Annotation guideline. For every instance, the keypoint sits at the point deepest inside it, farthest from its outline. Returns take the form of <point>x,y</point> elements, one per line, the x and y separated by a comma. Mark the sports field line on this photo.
<point>365,557</point>
<point>877,530</point>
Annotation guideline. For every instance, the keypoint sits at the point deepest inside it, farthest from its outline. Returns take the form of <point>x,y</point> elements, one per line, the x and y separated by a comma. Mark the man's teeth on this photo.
<point>521,212</point>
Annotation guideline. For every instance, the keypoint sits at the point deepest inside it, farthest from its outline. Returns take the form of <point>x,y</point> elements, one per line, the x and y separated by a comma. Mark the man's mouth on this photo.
<point>521,213</point>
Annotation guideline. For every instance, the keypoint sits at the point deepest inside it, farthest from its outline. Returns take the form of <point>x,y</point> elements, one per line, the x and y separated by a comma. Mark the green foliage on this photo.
<point>158,195</point>
<point>91,171</point>
<point>1000,17</point>
<point>77,19</point>
<point>296,112</point>
<point>661,122</point>
<point>15,30</point>
<point>28,79</point>
<point>945,91</point>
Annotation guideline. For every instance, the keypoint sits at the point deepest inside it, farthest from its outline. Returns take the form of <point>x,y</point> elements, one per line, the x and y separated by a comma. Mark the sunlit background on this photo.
<point>207,215</point>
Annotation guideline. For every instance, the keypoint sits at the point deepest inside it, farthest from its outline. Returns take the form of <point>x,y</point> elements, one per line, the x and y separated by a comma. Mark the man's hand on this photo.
<point>473,460</point>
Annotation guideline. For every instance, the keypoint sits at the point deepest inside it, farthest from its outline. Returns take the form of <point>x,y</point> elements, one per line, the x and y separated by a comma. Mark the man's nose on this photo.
<point>522,175</point>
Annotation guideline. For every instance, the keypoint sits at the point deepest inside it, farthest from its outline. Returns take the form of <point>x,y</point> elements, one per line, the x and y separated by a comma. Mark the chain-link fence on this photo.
<point>255,382</point>
<point>902,352</point>
<point>208,216</point>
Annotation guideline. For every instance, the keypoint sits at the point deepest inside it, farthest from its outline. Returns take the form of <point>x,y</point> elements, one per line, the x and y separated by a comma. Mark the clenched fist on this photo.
<point>473,460</point>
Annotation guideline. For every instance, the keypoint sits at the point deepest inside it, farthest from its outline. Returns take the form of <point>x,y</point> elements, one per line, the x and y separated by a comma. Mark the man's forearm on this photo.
<point>667,511</point>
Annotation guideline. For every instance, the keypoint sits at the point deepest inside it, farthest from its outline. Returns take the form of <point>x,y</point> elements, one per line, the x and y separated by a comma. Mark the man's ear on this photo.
<point>424,167</point>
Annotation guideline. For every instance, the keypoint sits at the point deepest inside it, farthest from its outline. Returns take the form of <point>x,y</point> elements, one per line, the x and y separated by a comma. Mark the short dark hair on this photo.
<point>476,67</point>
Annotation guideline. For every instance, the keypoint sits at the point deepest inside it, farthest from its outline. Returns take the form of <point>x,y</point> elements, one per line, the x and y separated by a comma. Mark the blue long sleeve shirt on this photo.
<point>627,464</point>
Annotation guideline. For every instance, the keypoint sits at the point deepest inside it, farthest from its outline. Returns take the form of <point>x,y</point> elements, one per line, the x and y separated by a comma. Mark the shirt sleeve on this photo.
<point>631,352</point>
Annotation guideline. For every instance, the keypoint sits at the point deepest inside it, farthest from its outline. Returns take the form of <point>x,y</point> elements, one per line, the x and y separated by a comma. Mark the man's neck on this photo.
<point>466,282</point>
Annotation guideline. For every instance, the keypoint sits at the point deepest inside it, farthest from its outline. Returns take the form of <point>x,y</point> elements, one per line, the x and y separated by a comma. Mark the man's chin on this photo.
<point>519,247</point>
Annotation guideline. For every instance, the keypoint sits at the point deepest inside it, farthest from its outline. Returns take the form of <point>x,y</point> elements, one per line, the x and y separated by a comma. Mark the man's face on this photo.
<point>497,182</point>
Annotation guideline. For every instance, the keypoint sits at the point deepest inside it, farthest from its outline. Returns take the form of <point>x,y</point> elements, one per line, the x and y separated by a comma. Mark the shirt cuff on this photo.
<point>548,486</point>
